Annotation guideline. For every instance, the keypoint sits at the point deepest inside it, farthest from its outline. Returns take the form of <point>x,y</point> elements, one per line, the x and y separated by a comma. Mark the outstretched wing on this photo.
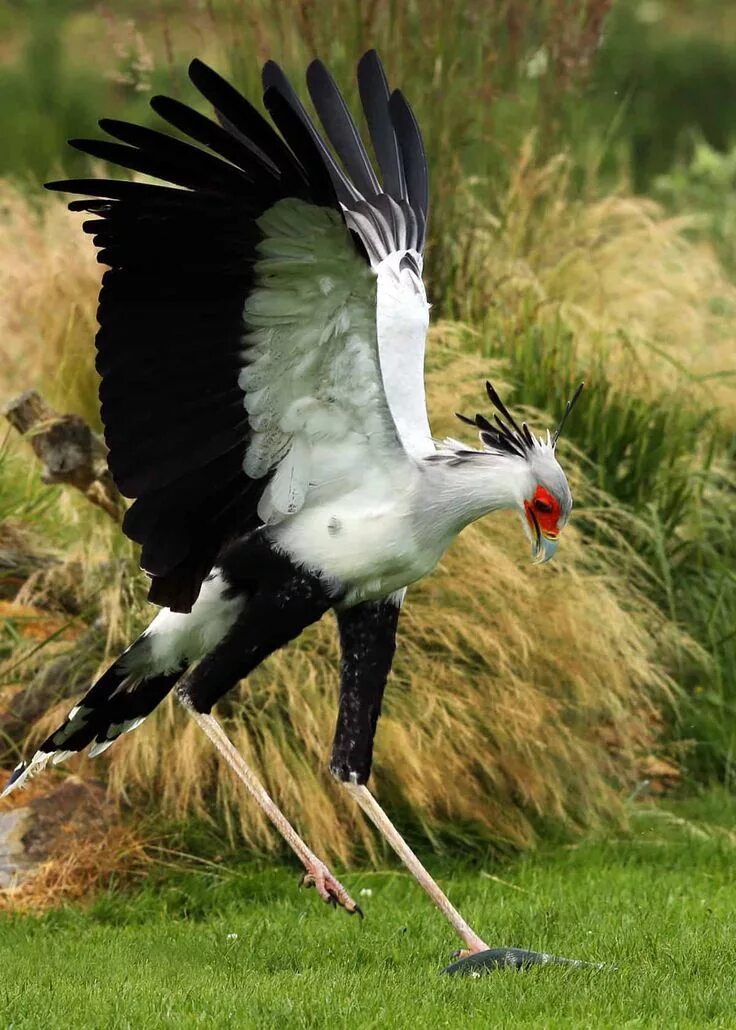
<point>263,318</point>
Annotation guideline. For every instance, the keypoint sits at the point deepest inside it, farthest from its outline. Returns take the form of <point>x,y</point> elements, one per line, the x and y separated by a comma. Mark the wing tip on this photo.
<point>272,75</point>
<point>371,59</point>
<point>197,69</point>
<point>13,780</point>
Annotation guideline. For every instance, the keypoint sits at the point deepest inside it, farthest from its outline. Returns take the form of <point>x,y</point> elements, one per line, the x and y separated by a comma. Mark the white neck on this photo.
<point>454,494</point>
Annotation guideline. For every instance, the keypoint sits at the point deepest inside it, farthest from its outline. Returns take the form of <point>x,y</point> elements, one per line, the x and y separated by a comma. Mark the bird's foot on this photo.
<point>329,888</point>
<point>477,949</point>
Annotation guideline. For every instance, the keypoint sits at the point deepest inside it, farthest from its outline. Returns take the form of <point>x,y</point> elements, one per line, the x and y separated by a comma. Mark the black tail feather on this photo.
<point>118,702</point>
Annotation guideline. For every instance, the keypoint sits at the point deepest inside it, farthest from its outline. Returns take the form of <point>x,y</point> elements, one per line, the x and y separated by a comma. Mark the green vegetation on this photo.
<point>705,183</point>
<point>666,76</point>
<point>231,946</point>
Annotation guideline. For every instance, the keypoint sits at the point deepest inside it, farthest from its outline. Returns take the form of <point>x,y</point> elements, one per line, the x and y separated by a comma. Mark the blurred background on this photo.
<point>583,226</point>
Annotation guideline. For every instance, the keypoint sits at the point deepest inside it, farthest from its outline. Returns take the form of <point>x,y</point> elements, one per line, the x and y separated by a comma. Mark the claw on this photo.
<point>329,889</point>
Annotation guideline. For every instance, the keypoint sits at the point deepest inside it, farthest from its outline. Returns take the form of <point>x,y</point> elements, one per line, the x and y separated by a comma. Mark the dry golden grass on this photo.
<point>656,307</point>
<point>75,874</point>
<point>520,695</point>
<point>49,280</point>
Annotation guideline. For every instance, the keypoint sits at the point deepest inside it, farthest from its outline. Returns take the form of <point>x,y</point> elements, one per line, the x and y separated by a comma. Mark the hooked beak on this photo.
<point>544,544</point>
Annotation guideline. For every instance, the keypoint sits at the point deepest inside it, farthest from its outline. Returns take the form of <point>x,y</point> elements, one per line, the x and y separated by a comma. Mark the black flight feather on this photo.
<point>308,147</point>
<point>276,85</point>
<point>113,189</point>
<point>234,148</point>
<point>374,96</point>
<point>341,129</point>
<point>413,158</point>
<point>242,118</point>
<point>192,173</point>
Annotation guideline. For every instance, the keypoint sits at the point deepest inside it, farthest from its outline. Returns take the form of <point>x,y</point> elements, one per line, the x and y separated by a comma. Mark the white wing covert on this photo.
<point>334,356</point>
<point>334,373</point>
<point>311,378</point>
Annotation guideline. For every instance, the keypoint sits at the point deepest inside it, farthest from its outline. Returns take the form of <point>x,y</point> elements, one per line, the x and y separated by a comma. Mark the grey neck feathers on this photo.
<point>457,489</point>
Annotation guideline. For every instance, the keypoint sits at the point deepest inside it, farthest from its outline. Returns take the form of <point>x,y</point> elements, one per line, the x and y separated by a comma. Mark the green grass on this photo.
<point>658,905</point>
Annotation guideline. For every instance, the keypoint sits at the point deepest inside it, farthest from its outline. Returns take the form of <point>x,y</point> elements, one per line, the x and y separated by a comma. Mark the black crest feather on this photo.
<point>568,408</point>
<point>505,434</point>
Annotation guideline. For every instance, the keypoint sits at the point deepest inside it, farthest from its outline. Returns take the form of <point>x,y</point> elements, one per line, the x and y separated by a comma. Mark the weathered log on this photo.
<point>70,452</point>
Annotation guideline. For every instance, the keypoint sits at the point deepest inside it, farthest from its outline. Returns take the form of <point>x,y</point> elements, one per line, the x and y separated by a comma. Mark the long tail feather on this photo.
<point>117,703</point>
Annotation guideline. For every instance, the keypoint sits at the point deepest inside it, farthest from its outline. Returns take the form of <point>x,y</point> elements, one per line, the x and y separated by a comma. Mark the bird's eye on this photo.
<point>544,506</point>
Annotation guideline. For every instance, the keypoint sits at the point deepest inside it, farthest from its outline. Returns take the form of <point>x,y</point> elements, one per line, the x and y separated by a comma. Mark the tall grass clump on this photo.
<point>516,706</point>
<point>623,294</point>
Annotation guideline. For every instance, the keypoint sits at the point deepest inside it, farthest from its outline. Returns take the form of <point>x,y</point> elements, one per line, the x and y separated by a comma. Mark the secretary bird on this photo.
<point>261,350</point>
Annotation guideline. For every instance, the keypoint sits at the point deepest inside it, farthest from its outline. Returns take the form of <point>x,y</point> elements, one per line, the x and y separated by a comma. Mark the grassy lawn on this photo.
<point>245,949</point>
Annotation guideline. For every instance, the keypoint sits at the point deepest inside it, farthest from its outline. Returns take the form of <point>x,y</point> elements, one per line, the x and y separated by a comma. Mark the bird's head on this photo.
<point>541,492</point>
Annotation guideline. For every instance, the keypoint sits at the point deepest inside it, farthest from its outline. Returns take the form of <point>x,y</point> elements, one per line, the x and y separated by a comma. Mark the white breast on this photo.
<point>363,540</point>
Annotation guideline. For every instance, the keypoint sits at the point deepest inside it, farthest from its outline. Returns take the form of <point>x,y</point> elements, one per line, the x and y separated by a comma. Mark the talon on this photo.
<point>328,888</point>
<point>357,911</point>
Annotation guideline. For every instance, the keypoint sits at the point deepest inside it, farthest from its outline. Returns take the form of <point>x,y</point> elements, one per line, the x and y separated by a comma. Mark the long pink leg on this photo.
<point>383,824</point>
<point>317,874</point>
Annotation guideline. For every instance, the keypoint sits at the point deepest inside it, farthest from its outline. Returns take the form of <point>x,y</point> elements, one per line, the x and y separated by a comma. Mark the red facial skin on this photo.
<point>545,509</point>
